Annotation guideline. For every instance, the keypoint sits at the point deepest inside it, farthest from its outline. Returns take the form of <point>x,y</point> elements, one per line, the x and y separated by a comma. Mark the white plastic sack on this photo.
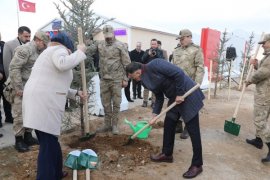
<point>95,105</point>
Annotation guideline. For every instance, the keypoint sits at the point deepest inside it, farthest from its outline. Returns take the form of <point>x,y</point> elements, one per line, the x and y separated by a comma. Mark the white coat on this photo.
<point>48,87</point>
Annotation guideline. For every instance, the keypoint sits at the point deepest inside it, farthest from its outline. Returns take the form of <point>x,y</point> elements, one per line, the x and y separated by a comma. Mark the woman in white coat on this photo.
<point>44,101</point>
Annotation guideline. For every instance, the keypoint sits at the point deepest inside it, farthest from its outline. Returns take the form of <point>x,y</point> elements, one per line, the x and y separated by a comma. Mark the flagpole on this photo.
<point>18,17</point>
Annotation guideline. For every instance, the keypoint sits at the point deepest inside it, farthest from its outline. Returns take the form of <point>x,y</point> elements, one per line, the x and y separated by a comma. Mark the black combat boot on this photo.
<point>106,127</point>
<point>144,104</point>
<point>267,158</point>
<point>29,140</point>
<point>20,146</point>
<point>255,142</point>
<point>115,129</point>
<point>184,134</point>
<point>179,127</point>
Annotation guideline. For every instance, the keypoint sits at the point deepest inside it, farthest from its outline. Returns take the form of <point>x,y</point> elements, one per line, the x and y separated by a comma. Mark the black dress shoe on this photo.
<point>1,135</point>
<point>130,100</point>
<point>192,172</point>
<point>161,158</point>
<point>140,97</point>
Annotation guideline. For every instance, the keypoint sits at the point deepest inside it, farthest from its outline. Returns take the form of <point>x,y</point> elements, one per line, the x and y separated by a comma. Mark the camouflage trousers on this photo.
<point>146,95</point>
<point>16,107</point>
<point>261,115</point>
<point>111,98</point>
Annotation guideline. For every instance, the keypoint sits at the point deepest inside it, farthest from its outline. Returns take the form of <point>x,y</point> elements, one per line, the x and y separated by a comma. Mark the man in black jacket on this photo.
<point>136,56</point>
<point>150,54</point>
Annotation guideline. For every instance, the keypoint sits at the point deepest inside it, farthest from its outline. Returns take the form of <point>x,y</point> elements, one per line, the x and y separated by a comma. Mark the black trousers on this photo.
<point>50,163</point>
<point>127,90</point>
<point>6,107</point>
<point>137,88</point>
<point>193,129</point>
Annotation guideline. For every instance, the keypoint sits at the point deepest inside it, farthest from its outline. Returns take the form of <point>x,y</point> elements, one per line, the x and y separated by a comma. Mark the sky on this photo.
<point>169,15</point>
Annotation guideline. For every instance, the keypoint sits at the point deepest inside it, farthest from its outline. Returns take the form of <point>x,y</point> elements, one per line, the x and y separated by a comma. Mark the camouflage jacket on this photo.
<point>261,78</point>
<point>190,60</point>
<point>21,64</point>
<point>113,59</point>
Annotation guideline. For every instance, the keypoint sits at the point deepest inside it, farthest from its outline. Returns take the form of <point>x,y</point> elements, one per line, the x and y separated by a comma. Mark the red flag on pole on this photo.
<point>27,6</point>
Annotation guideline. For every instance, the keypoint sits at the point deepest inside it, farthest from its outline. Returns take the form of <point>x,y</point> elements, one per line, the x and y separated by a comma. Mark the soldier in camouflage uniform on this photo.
<point>114,58</point>
<point>261,78</point>
<point>189,58</point>
<point>19,72</point>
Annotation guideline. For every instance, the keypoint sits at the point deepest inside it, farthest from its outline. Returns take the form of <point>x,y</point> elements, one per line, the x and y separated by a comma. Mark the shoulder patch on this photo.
<point>22,52</point>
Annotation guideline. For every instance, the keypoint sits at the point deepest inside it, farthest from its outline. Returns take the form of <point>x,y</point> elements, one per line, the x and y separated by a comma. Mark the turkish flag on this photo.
<point>27,6</point>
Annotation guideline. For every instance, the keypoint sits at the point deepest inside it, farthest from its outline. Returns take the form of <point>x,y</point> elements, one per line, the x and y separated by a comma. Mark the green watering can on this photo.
<point>139,125</point>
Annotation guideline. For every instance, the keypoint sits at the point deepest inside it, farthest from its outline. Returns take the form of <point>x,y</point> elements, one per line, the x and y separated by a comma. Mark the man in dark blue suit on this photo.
<point>164,78</point>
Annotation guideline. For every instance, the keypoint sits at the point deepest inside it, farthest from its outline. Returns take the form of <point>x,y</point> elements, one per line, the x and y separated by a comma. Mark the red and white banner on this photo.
<point>27,6</point>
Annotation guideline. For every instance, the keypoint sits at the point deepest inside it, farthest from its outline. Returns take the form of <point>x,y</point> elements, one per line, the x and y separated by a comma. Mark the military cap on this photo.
<point>42,36</point>
<point>265,38</point>
<point>108,31</point>
<point>184,33</point>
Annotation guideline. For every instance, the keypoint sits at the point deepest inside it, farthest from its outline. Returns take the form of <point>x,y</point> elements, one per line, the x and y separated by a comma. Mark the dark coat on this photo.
<point>164,78</point>
<point>146,58</point>
<point>136,56</point>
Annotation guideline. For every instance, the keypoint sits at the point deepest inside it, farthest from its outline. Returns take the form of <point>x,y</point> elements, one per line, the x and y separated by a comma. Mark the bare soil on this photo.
<point>225,156</point>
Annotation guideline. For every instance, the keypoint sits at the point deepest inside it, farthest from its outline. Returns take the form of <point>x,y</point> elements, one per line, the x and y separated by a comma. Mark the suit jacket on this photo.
<point>8,53</point>
<point>164,78</point>
<point>47,88</point>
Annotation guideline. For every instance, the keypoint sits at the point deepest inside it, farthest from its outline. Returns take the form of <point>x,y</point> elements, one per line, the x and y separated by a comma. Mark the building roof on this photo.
<point>120,23</point>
